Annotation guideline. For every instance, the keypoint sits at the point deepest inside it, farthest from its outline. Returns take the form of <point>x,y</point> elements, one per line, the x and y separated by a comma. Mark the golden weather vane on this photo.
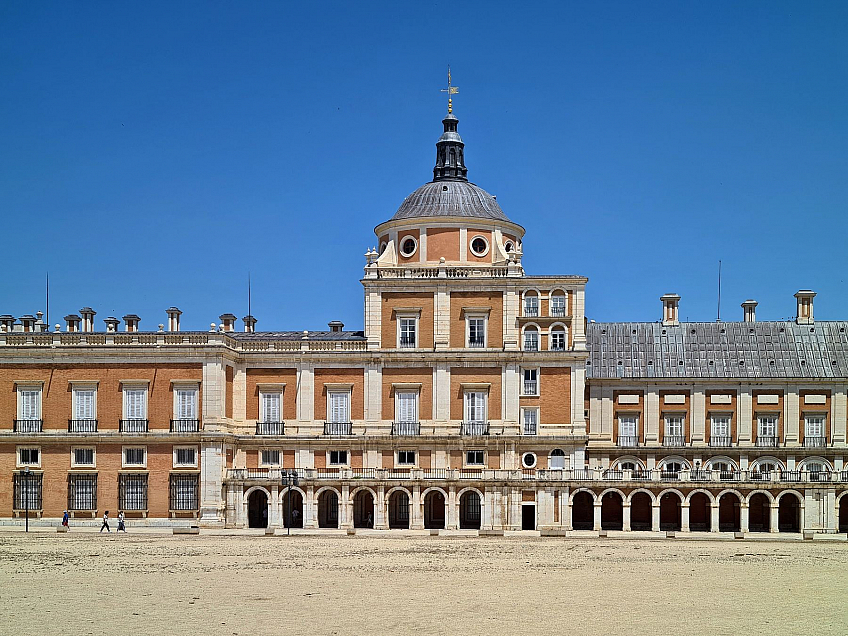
<point>450,90</point>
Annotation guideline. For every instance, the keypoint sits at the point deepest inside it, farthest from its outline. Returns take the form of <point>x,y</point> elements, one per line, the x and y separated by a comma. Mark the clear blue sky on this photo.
<point>151,154</point>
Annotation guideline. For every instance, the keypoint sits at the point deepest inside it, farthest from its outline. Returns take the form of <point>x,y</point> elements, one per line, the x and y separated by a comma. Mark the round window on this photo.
<point>479,246</point>
<point>383,246</point>
<point>408,246</point>
<point>508,246</point>
<point>528,460</point>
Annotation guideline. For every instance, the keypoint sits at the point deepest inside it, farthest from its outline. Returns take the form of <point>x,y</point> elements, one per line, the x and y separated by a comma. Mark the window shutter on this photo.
<point>186,401</point>
<point>271,407</point>
<point>339,407</point>
<point>406,407</point>
<point>29,405</point>
<point>85,404</point>
<point>135,404</point>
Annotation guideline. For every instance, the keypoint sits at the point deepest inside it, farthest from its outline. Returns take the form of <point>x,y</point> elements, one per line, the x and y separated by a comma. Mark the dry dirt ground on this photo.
<point>158,584</point>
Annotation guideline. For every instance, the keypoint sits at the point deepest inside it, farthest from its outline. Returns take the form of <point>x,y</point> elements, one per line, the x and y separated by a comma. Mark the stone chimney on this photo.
<point>670,310</point>
<point>111,324</point>
<point>87,314</point>
<point>804,311</point>
<point>749,311</point>
<point>228,322</point>
<point>249,324</point>
<point>335,326</point>
<point>39,323</point>
<point>7,322</point>
<point>173,318</point>
<point>72,323</point>
<point>28,323</point>
<point>131,323</point>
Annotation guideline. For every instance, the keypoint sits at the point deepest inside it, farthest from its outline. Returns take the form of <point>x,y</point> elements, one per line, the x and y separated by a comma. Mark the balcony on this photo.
<point>474,428</point>
<point>476,343</point>
<point>270,428</point>
<point>531,345</point>
<point>407,343</point>
<point>406,428</point>
<point>530,428</point>
<point>766,441</point>
<point>557,312</point>
<point>82,426</point>
<point>674,441</point>
<point>720,441</point>
<point>185,426</point>
<point>557,346</point>
<point>669,475</point>
<point>338,428</point>
<point>133,426</point>
<point>531,388</point>
<point>628,441</point>
<point>815,442</point>
<point>531,311</point>
<point>27,426</point>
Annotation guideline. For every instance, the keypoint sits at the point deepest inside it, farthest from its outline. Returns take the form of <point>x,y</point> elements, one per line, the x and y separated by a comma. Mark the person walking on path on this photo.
<point>65,518</point>
<point>121,525</point>
<point>105,522</point>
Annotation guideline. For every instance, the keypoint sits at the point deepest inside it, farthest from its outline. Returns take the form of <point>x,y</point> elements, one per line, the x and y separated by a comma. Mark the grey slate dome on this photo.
<point>450,193</point>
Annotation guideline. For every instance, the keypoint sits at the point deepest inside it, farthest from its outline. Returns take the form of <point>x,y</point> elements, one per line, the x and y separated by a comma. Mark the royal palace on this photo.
<point>476,397</point>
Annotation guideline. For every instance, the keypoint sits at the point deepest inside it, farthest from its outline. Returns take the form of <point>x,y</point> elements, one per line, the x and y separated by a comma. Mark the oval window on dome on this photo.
<point>509,247</point>
<point>479,246</point>
<point>408,246</point>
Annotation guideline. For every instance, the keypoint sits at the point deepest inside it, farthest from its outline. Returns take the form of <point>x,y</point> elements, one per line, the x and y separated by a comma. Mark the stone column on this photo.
<point>684,517</point>
<point>380,517</point>
<point>625,516</point>
<point>212,468</point>
<point>743,517</point>
<point>774,517</point>
<point>310,510</point>
<point>452,517</point>
<point>417,516</point>
<point>488,503</point>
<point>345,508</point>
<point>714,517</point>
<point>274,507</point>
<point>566,509</point>
<point>655,517</point>
<point>597,520</point>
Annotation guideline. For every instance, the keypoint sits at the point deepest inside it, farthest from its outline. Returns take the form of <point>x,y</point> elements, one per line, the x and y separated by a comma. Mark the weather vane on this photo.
<point>450,90</point>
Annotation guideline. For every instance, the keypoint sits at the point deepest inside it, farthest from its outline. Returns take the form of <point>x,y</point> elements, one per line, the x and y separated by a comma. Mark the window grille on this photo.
<point>132,491</point>
<point>82,491</point>
<point>184,492</point>
<point>27,490</point>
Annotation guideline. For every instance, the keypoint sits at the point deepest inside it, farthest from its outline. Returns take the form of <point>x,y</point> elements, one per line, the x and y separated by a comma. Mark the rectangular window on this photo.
<point>29,456</point>
<point>269,458</point>
<point>531,306</point>
<point>338,458</point>
<point>134,456</point>
<point>27,487</point>
<point>132,491</point>
<point>29,404</point>
<point>85,404</point>
<point>531,382</point>
<point>558,306</point>
<point>135,404</point>
<point>474,458</point>
<point>406,458</point>
<point>186,456</point>
<point>475,407</point>
<point>83,457</point>
<point>814,426</point>
<point>270,403</point>
<point>767,426</point>
<point>557,340</point>
<point>184,492</point>
<point>407,335</point>
<point>82,492</point>
<point>476,332</point>
<point>186,404</point>
<point>406,406</point>
<point>530,418</point>
<point>720,426</point>
<point>339,406</point>
<point>674,426</point>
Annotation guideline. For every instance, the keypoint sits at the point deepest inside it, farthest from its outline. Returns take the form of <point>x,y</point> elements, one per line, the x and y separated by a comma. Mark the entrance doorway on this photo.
<point>583,511</point>
<point>729,517</point>
<point>399,510</point>
<point>328,509</point>
<point>670,511</point>
<point>700,514</point>
<point>293,510</point>
<point>612,512</point>
<point>759,513</point>
<point>434,510</point>
<point>789,514</point>
<point>640,511</point>
<point>257,509</point>
<point>363,510</point>
<point>528,516</point>
<point>470,511</point>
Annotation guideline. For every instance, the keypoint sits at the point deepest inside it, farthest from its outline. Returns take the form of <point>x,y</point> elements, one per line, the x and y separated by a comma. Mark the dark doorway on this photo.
<point>257,509</point>
<point>612,512</point>
<point>583,511</point>
<point>470,511</point>
<point>293,511</point>
<point>759,513</point>
<point>528,516</point>
<point>729,513</point>
<point>434,510</point>
<point>843,514</point>
<point>670,511</point>
<point>789,514</point>
<point>700,517</point>
<point>399,510</point>
<point>641,511</point>
<point>328,509</point>
<point>363,510</point>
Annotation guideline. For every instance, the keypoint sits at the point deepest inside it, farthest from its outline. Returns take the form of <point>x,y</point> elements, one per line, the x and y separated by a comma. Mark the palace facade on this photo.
<point>476,397</point>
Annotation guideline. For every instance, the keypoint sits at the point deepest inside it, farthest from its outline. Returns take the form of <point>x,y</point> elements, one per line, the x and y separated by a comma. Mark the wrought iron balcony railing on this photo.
<point>530,387</point>
<point>766,441</point>
<point>185,426</point>
<point>407,343</point>
<point>720,441</point>
<point>133,426</point>
<point>474,428</point>
<point>628,441</point>
<point>82,426</point>
<point>270,428</point>
<point>476,343</point>
<point>531,311</point>
<point>530,428</point>
<point>28,426</point>
<point>815,442</point>
<point>406,428</point>
<point>338,428</point>
<point>531,345</point>
<point>557,312</point>
<point>674,441</point>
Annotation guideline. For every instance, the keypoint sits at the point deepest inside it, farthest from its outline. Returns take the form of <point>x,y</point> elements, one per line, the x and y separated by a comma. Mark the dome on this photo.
<point>450,198</point>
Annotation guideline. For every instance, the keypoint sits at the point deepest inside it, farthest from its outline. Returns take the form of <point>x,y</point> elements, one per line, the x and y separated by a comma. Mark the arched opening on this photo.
<point>363,509</point>
<point>640,511</point>
<point>843,514</point>
<point>328,509</point>
<point>531,339</point>
<point>257,509</point>
<point>557,459</point>
<point>293,509</point>
<point>670,507</point>
<point>729,517</point>
<point>434,510</point>
<point>612,512</point>
<point>469,510</point>
<point>700,517</point>
<point>399,510</point>
<point>759,513</point>
<point>789,514</point>
<point>583,511</point>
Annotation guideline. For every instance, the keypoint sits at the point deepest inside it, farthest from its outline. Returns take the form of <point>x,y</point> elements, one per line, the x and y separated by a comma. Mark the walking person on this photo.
<point>65,518</point>
<point>105,522</point>
<point>121,522</point>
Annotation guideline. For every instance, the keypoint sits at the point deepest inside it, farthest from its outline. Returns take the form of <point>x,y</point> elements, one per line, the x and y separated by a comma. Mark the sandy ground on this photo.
<point>160,584</point>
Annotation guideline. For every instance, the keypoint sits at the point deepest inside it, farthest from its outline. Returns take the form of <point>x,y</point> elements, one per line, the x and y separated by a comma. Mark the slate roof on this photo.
<point>717,350</point>
<point>450,198</point>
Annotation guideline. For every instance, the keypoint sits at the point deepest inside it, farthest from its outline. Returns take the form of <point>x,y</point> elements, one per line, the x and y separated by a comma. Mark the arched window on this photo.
<point>557,459</point>
<point>531,304</point>
<point>531,339</point>
<point>558,305</point>
<point>558,340</point>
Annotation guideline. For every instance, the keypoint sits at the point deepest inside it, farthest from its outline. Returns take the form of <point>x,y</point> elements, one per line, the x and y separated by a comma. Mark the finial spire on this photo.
<point>450,90</point>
